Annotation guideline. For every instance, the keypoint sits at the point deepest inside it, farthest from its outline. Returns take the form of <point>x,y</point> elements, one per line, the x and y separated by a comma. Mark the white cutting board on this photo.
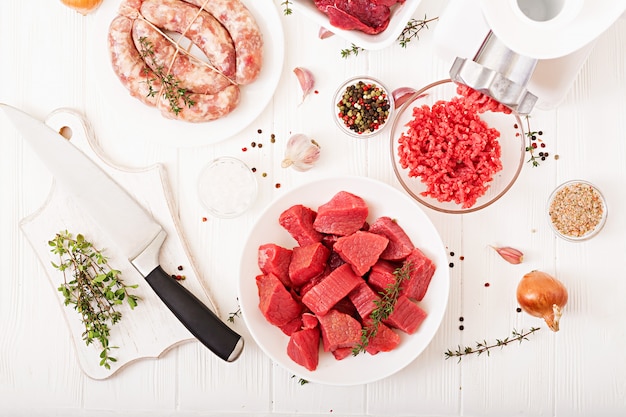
<point>150,329</point>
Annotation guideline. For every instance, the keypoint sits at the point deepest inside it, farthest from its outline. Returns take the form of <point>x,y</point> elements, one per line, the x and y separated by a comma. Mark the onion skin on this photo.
<point>83,7</point>
<point>541,295</point>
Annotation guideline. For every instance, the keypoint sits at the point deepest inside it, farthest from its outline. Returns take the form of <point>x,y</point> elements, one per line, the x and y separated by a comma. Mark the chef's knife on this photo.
<point>133,230</point>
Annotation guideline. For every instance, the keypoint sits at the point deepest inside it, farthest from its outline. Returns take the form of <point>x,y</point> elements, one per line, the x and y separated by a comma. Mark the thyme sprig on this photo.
<point>286,7</point>
<point>172,91</point>
<point>410,31</point>
<point>482,347</point>
<point>384,307</point>
<point>533,139</point>
<point>232,315</point>
<point>93,288</point>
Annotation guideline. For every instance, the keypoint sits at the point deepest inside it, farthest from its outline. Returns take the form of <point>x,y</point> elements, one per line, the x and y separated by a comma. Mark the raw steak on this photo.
<point>361,250</point>
<point>382,275</point>
<point>339,330</point>
<point>307,262</point>
<point>275,302</point>
<point>298,221</point>
<point>364,15</point>
<point>292,326</point>
<point>343,215</point>
<point>406,316</point>
<point>304,348</point>
<point>274,259</point>
<point>400,244</point>
<point>322,297</point>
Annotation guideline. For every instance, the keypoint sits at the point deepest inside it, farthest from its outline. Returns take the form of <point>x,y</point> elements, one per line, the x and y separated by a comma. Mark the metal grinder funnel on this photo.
<point>499,73</point>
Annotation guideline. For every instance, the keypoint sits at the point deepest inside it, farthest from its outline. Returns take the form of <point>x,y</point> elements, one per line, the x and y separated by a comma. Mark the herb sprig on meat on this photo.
<point>384,307</point>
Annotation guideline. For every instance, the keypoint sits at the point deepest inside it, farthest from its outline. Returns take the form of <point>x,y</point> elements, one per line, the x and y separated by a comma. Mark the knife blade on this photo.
<point>129,225</point>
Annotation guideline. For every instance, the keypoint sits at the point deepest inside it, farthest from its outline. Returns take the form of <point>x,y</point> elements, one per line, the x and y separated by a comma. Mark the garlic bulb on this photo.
<point>301,152</point>
<point>83,7</point>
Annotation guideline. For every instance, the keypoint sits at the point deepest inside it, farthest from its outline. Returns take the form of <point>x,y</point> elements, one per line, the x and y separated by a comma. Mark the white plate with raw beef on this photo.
<point>125,115</point>
<point>400,14</point>
<point>381,200</point>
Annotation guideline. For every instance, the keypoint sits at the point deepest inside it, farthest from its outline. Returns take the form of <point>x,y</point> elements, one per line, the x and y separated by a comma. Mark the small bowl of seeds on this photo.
<point>577,210</point>
<point>362,106</point>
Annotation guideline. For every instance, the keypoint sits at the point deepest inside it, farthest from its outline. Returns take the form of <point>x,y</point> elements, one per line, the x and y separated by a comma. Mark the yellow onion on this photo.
<point>541,295</point>
<point>83,7</point>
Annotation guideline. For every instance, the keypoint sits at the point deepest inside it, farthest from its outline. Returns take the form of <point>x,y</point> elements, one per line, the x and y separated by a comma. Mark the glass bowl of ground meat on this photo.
<point>454,149</point>
<point>362,107</point>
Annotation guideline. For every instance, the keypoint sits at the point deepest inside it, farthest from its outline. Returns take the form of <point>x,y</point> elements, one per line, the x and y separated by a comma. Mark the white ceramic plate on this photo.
<point>128,112</point>
<point>382,199</point>
<point>400,15</point>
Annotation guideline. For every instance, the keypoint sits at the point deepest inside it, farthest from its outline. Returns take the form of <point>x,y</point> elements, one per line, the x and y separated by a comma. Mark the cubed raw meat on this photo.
<point>298,221</point>
<point>384,340</point>
<point>307,262</point>
<point>406,316</point>
<point>323,296</point>
<point>339,330</point>
<point>304,348</point>
<point>364,299</point>
<point>292,326</point>
<point>342,353</point>
<point>275,302</point>
<point>344,214</point>
<point>400,245</point>
<point>421,272</point>
<point>309,320</point>
<point>361,250</point>
<point>274,259</point>
<point>382,275</point>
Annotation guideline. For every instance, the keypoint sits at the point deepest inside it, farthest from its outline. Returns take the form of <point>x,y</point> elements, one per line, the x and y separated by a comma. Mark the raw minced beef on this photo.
<point>452,150</point>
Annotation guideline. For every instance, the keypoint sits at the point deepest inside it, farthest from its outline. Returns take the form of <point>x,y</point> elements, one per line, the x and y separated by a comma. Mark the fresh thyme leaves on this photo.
<point>353,50</point>
<point>482,347</point>
<point>231,316</point>
<point>301,381</point>
<point>172,91</point>
<point>286,7</point>
<point>535,142</point>
<point>384,307</point>
<point>92,287</point>
<point>412,29</point>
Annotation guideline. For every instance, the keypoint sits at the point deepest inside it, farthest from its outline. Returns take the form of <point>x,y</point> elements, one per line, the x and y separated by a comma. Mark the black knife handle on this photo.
<point>196,316</point>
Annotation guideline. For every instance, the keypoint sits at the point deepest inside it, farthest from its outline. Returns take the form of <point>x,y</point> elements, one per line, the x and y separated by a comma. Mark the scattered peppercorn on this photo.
<point>273,138</point>
<point>260,145</point>
<point>264,174</point>
<point>461,327</point>
<point>461,258</point>
<point>253,144</point>
<point>244,149</point>
<point>204,219</point>
<point>253,169</point>
<point>259,131</point>
<point>451,253</point>
<point>518,309</point>
<point>487,284</point>
<point>180,267</point>
<point>277,185</point>
<point>461,318</point>
<point>451,264</point>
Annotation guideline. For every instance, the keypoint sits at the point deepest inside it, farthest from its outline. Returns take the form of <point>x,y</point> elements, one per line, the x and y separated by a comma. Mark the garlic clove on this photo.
<point>301,152</point>
<point>401,95</point>
<point>324,33</point>
<point>509,254</point>
<point>306,80</point>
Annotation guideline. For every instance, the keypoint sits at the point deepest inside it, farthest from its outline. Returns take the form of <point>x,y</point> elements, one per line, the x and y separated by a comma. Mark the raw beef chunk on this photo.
<point>400,245</point>
<point>298,221</point>
<point>364,15</point>
<point>339,330</point>
<point>382,275</point>
<point>364,299</point>
<point>344,214</point>
<point>361,250</point>
<point>422,271</point>
<point>307,262</point>
<point>385,340</point>
<point>406,316</point>
<point>304,348</point>
<point>274,259</point>
<point>322,297</point>
<point>275,302</point>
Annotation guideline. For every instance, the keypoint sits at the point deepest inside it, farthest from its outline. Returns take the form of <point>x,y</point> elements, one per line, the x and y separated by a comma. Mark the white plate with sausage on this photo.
<point>120,109</point>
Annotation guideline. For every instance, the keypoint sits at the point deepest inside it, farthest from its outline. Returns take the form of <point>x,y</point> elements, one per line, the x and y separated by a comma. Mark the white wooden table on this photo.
<point>580,371</point>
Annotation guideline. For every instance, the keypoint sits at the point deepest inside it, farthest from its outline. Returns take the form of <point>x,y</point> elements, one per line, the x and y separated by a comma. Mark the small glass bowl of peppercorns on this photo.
<point>362,106</point>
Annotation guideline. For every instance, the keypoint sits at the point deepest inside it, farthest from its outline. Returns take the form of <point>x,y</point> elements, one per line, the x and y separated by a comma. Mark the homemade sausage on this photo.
<point>198,26</point>
<point>244,31</point>
<point>135,74</point>
<point>192,75</point>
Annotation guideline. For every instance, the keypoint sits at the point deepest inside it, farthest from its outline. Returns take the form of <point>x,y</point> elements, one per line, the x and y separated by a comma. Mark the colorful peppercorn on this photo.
<point>364,107</point>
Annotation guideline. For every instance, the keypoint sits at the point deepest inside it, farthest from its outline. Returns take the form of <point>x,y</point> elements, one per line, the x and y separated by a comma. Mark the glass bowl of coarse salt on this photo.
<point>577,210</point>
<point>455,150</point>
<point>362,107</point>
